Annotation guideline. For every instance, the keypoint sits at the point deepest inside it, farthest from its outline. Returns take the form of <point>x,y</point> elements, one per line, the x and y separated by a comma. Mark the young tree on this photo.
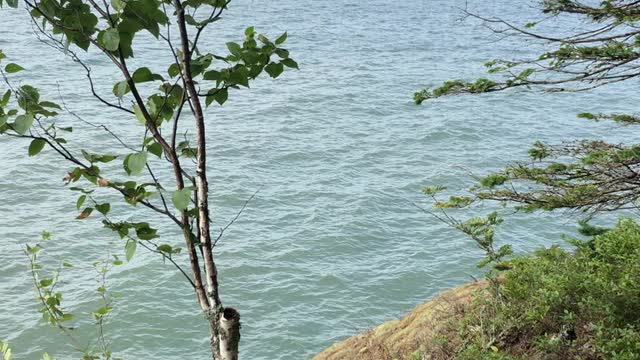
<point>584,176</point>
<point>165,104</point>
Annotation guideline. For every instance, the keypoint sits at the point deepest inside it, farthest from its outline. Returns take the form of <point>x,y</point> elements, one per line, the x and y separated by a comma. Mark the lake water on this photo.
<point>332,244</point>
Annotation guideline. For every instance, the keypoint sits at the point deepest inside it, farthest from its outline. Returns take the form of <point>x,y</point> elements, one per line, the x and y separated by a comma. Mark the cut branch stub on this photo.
<point>229,334</point>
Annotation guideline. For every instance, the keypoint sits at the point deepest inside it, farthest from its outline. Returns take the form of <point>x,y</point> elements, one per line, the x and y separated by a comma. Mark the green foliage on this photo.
<point>50,300</point>
<point>109,39</point>
<point>143,74</point>
<point>454,202</point>
<point>493,180</point>
<point>455,87</point>
<point>23,123</point>
<point>539,151</point>
<point>609,51</point>
<point>13,68</point>
<point>480,229</point>
<point>587,229</point>
<point>121,88</point>
<point>433,190</point>
<point>5,350</point>
<point>557,304</point>
<point>130,249</point>
<point>135,163</point>
<point>36,146</point>
<point>588,176</point>
<point>582,60</point>
<point>624,119</point>
<point>181,198</point>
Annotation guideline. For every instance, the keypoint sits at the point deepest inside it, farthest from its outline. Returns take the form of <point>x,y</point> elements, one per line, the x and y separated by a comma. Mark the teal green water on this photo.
<point>332,244</point>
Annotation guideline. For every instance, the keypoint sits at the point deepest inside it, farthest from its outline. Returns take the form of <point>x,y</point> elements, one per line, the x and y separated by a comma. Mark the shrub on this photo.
<point>559,304</point>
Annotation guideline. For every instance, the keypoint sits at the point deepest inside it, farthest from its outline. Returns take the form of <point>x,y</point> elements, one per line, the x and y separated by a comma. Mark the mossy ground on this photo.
<point>401,338</point>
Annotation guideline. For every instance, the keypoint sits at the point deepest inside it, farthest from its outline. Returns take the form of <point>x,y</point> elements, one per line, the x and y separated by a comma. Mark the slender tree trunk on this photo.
<point>213,315</point>
<point>224,323</point>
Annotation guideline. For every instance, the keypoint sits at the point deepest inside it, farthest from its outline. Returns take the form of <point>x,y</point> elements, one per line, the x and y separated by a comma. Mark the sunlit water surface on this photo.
<point>332,244</point>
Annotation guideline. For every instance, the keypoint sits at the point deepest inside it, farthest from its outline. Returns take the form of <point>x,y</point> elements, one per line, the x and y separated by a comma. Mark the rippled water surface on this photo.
<point>332,243</point>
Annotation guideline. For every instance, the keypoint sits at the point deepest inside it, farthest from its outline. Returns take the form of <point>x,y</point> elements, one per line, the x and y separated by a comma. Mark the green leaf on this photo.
<point>155,149</point>
<point>274,69</point>
<point>190,20</point>
<point>36,146</point>
<point>80,201</point>
<point>218,95</point>
<point>118,4</point>
<point>282,53</point>
<point>240,76</point>
<point>222,96</point>
<point>289,63</point>
<point>145,14</point>
<point>165,248</point>
<point>264,39</point>
<point>234,49</point>
<point>46,282</point>
<point>200,64</point>
<point>143,74</point>
<point>136,162</point>
<point>28,95</point>
<point>13,68</point>
<point>130,249</point>
<point>23,123</point>
<point>213,75</point>
<point>50,104</point>
<point>139,115</point>
<point>5,98</point>
<point>174,70</point>
<point>146,233</point>
<point>121,89</point>
<point>208,21</point>
<point>13,4</point>
<point>92,158</point>
<point>3,120</point>
<point>281,39</point>
<point>33,250</point>
<point>103,208</point>
<point>103,310</point>
<point>109,39</point>
<point>181,198</point>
